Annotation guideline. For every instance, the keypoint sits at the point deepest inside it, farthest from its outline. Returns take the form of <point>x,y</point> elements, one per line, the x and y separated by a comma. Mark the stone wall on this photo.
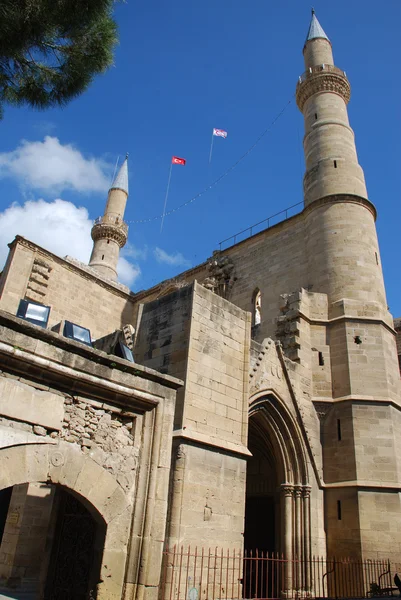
<point>205,339</point>
<point>74,292</point>
<point>102,428</point>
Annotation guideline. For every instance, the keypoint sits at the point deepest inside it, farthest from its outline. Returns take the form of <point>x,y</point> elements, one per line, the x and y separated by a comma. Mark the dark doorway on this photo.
<point>260,524</point>
<point>262,508</point>
<point>74,566</point>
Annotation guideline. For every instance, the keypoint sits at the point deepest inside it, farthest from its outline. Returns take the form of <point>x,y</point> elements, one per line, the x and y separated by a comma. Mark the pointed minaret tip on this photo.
<point>315,29</point>
<point>121,179</point>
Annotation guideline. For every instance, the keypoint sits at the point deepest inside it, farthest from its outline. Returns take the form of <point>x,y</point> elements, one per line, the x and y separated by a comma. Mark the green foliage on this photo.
<point>50,50</point>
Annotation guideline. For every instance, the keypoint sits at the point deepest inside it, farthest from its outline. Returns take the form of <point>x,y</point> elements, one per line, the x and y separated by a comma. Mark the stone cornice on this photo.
<point>78,368</point>
<point>343,198</point>
<point>195,438</point>
<point>73,265</point>
<point>341,318</point>
<point>364,485</point>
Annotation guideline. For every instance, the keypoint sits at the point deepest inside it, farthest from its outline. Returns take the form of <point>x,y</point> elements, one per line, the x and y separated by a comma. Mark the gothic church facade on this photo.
<point>262,409</point>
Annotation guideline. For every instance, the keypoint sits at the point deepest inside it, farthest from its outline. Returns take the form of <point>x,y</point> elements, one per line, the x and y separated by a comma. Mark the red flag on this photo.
<point>178,161</point>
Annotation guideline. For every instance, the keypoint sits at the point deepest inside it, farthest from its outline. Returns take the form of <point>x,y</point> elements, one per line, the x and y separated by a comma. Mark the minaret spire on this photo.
<point>109,233</point>
<point>315,29</point>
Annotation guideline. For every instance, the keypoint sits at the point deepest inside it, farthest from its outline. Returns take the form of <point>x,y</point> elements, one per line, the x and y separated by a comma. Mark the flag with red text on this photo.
<point>220,133</point>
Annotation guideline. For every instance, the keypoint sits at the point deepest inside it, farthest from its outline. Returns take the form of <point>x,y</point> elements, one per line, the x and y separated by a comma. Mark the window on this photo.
<point>339,430</point>
<point>339,510</point>
<point>335,164</point>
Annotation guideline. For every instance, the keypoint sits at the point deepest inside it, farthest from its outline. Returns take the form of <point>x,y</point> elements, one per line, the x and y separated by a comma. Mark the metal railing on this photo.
<point>212,574</point>
<point>319,69</point>
<point>249,231</point>
<point>112,220</point>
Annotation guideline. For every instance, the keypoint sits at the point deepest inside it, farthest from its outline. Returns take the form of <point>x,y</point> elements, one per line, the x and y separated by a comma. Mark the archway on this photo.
<point>52,544</point>
<point>46,469</point>
<point>277,518</point>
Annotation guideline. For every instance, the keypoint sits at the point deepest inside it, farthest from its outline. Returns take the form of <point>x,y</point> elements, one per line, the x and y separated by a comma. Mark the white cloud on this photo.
<point>50,166</point>
<point>58,226</point>
<point>176,259</point>
<point>133,252</point>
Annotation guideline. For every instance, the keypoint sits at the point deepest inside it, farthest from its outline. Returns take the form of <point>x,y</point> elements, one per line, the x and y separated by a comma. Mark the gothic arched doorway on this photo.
<point>277,514</point>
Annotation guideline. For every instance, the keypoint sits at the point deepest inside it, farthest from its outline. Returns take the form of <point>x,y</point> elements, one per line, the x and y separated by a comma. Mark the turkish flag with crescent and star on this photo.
<point>178,161</point>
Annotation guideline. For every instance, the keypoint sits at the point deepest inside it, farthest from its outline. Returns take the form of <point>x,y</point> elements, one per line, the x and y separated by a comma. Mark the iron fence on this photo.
<point>213,574</point>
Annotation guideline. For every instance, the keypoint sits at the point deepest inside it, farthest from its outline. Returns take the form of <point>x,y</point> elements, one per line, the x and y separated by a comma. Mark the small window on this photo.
<point>102,256</point>
<point>339,430</point>
<point>339,510</point>
<point>321,359</point>
<point>377,258</point>
<point>315,116</point>
<point>335,164</point>
<point>108,241</point>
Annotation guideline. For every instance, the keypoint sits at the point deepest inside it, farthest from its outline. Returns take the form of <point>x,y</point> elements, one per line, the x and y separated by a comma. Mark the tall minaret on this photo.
<point>343,266</point>
<point>109,233</point>
<point>342,244</point>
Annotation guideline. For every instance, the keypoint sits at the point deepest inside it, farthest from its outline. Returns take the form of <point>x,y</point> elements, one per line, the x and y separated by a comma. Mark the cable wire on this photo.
<point>216,181</point>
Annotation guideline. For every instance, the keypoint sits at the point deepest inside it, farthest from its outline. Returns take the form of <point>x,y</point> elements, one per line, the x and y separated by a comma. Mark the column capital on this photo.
<point>306,490</point>
<point>287,489</point>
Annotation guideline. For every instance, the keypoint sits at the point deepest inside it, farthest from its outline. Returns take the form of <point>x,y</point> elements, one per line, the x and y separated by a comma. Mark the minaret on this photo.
<point>342,262</point>
<point>342,243</point>
<point>109,233</point>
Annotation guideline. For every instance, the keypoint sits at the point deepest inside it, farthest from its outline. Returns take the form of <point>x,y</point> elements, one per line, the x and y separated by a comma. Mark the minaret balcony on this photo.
<point>322,78</point>
<point>110,227</point>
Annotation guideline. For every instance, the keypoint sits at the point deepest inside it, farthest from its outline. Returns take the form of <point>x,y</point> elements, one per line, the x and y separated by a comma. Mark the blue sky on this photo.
<point>181,69</point>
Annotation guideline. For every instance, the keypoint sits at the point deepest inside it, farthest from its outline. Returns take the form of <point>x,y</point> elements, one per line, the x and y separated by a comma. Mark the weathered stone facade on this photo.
<point>263,409</point>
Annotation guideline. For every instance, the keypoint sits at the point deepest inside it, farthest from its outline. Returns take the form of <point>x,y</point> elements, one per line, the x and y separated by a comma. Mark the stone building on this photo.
<point>262,409</point>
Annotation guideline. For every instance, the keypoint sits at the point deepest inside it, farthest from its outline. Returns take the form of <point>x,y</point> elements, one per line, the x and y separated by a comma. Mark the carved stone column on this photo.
<point>287,502</point>
<point>298,537</point>
<point>306,490</point>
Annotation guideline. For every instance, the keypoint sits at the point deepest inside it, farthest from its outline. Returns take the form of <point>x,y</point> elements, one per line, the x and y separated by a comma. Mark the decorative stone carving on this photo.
<point>36,288</point>
<point>288,324</point>
<point>323,78</point>
<point>105,230</point>
<point>287,490</point>
<point>221,276</point>
<point>322,408</point>
<point>128,334</point>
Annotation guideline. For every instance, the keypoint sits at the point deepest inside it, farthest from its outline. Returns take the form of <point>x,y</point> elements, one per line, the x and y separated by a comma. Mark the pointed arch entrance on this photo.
<point>277,516</point>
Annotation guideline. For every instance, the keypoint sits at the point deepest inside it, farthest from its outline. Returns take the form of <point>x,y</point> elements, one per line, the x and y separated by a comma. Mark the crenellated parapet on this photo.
<point>322,78</point>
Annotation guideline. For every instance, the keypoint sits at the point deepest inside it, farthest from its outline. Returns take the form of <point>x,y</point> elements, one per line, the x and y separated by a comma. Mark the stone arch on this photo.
<point>66,465</point>
<point>275,433</point>
<point>268,414</point>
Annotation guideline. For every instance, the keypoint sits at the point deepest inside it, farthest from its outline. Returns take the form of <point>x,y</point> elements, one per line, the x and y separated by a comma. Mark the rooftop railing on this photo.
<point>112,220</point>
<point>319,69</point>
<point>260,226</point>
